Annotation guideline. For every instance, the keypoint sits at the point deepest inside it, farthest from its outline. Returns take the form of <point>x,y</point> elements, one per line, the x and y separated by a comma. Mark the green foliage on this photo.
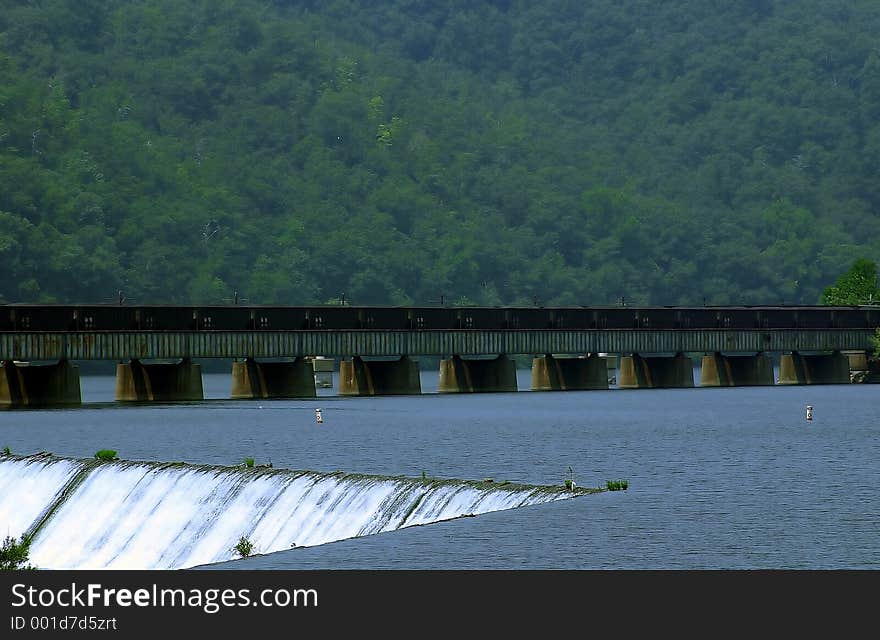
<point>617,485</point>
<point>249,462</point>
<point>569,481</point>
<point>856,286</point>
<point>14,555</point>
<point>244,547</point>
<point>488,152</point>
<point>106,454</point>
<point>7,451</point>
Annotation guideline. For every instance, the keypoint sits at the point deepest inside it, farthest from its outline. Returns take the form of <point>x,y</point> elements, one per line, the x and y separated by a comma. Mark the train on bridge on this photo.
<point>86,318</point>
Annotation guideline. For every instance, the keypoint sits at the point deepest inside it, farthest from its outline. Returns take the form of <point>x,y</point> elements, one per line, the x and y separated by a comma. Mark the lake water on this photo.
<point>718,478</point>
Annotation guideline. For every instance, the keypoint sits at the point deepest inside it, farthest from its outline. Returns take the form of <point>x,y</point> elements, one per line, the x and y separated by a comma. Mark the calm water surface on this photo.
<point>719,478</point>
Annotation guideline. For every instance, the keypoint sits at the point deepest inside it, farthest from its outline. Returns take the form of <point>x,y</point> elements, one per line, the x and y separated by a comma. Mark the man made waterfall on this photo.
<point>89,514</point>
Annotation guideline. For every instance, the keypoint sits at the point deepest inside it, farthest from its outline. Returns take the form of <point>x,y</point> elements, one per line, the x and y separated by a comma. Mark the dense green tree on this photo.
<point>856,286</point>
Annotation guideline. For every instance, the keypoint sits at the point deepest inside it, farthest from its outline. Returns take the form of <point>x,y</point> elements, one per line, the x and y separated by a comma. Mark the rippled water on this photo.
<point>719,478</point>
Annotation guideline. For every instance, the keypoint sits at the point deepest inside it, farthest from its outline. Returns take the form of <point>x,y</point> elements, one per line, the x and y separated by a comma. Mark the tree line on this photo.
<point>407,152</point>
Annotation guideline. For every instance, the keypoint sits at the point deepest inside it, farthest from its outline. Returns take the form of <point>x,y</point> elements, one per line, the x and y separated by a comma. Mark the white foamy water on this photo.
<point>152,516</point>
<point>27,488</point>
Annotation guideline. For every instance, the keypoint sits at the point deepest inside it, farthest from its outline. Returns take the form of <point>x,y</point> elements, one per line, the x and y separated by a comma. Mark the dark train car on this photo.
<point>568,318</point>
<point>657,318</point>
<point>855,317</point>
<point>697,318</point>
<point>310,318</point>
<point>533,318</point>
<point>617,318</point>
<point>575,318</point>
<point>737,318</point>
<point>390,318</point>
<point>512,318</point>
<point>7,317</point>
<point>849,318</point>
<point>158,318</point>
<point>610,318</point>
<point>592,318</point>
<point>106,318</point>
<point>223,318</point>
<point>338,318</point>
<point>776,318</point>
<point>17,317</point>
<point>872,317</point>
<point>814,318</point>
<point>278,318</point>
<point>480,318</point>
<point>432,318</point>
<point>530,318</point>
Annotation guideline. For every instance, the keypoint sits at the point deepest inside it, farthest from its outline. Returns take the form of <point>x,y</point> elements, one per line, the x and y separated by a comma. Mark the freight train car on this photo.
<point>29,317</point>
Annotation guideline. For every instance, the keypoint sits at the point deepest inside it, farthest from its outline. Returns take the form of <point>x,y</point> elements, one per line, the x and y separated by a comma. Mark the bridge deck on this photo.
<point>123,345</point>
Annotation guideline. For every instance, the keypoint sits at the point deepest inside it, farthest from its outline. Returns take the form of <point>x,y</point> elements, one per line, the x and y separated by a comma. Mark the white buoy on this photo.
<point>809,413</point>
<point>319,417</point>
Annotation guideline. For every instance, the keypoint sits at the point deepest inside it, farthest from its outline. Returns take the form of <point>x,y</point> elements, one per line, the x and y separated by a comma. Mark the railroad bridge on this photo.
<point>273,347</point>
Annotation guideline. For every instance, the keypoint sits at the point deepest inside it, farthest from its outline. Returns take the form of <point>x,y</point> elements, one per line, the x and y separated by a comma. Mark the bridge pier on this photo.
<point>458,375</point>
<point>359,377</point>
<point>29,385</point>
<point>161,382</point>
<point>569,374</point>
<point>252,379</point>
<point>861,368</point>
<point>322,369</point>
<point>797,368</point>
<point>858,360</point>
<point>639,372</point>
<point>718,370</point>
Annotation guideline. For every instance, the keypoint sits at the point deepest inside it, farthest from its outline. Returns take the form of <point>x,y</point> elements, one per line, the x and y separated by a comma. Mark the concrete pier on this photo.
<point>29,385</point>
<point>862,369</point>
<point>797,368</point>
<point>736,371</point>
<point>359,377</point>
<point>638,372</point>
<point>161,382</point>
<point>323,371</point>
<point>858,360</point>
<point>458,375</point>
<point>569,374</point>
<point>252,379</point>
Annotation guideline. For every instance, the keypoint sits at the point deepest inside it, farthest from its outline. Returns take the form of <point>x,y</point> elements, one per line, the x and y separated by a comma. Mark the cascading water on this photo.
<point>89,514</point>
<point>28,486</point>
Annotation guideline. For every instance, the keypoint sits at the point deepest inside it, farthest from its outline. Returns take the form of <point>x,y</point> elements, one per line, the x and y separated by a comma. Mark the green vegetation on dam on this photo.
<point>397,152</point>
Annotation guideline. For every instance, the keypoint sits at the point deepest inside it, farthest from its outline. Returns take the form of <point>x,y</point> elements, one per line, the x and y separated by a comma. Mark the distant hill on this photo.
<point>396,151</point>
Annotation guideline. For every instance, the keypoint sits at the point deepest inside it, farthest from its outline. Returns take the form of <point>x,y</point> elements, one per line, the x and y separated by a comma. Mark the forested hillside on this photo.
<point>395,151</point>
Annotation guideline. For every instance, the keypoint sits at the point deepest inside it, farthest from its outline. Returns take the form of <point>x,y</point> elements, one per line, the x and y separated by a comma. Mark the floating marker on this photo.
<point>319,417</point>
<point>809,413</point>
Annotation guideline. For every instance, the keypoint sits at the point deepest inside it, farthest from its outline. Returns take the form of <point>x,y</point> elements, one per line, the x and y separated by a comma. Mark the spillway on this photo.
<point>92,514</point>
